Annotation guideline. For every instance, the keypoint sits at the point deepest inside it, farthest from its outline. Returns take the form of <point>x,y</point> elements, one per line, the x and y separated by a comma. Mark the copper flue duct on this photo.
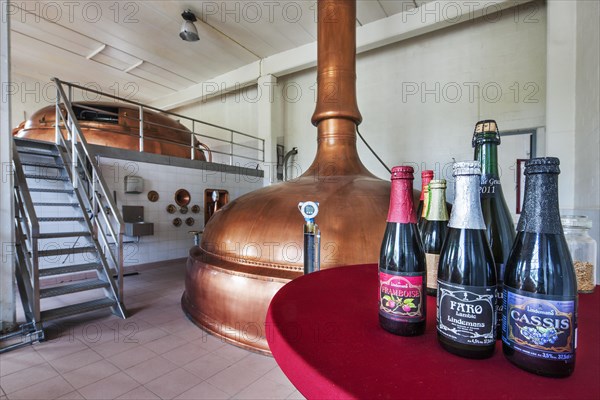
<point>253,246</point>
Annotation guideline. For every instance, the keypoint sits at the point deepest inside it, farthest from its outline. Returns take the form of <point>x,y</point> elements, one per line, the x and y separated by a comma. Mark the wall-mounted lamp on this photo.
<point>188,32</point>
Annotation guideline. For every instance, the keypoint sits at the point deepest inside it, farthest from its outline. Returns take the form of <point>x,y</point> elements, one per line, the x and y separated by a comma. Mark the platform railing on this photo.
<point>231,145</point>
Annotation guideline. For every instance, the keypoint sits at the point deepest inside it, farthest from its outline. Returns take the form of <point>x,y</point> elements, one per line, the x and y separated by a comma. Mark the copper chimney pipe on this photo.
<point>336,62</point>
<point>253,246</point>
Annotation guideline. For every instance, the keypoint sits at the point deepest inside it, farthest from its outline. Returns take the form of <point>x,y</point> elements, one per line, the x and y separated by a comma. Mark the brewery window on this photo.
<point>95,113</point>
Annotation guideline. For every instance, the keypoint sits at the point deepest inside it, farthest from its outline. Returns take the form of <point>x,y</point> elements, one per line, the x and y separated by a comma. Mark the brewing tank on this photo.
<point>253,246</point>
<point>115,125</point>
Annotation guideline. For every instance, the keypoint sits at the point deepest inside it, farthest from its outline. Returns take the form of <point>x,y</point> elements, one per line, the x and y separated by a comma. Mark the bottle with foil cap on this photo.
<point>539,326</point>
<point>434,231</point>
<point>466,294</point>
<point>500,229</point>
<point>402,272</point>
<point>426,177</point>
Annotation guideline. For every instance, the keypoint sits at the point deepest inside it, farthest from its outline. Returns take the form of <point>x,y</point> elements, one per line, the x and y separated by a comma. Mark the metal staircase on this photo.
<point>69,232</point>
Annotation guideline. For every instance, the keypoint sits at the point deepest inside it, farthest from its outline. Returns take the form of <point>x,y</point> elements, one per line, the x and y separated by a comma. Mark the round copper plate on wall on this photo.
<point>177,222</point>
<point>153,196</point>
<point>183,210</point>
<point>171,208</point>
<point>190,221</point>
<point>196,209</point>
<point>182,197</point>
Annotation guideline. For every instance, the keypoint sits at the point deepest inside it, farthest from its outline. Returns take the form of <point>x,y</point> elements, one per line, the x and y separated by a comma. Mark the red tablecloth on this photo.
<point>323,330</point>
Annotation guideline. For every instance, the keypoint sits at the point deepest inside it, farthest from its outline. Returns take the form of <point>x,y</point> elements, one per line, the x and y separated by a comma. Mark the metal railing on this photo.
<point>27,233</point>
<point>91,190</point>
<point>223,145</point>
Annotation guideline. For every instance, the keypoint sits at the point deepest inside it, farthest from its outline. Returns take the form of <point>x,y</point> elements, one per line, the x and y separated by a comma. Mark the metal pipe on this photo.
<point>141,129</point>
<point>208,150</point>
<point>231,149</point>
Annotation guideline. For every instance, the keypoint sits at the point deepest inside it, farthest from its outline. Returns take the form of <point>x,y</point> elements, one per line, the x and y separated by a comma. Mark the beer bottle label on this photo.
<point>432,261</point>
<point>467,314</point>
<point>539,325</point>
<point>489,185</point>
<point>401,296</point>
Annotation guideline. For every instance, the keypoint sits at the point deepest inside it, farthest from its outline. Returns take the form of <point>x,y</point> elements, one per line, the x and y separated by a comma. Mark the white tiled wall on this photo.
<point>168,241</point>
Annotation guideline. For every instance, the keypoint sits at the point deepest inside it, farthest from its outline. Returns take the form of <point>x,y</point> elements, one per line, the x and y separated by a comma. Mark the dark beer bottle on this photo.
<point>434,231</point>
<point>539,328</point>
<point>402,279</point>
<point>426,177</point>
<point>500,229</point>
<point>466,294</point>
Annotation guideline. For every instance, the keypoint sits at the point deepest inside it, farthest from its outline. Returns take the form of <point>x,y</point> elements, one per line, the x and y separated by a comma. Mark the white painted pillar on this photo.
<point>561,94</point>
<point>268,124</point>
<point>7,293</point>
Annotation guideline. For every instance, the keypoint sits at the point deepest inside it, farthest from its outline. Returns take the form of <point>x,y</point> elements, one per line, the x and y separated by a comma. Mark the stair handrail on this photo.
<point>78,142</point>
<point>33,224</point>
<point>24,205</point>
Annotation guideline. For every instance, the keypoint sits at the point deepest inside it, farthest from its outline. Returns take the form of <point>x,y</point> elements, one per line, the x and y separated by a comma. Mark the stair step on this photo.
<point>56,204</point>
<point>37,152</point>
<point>47,177</point>
<point>34,143</point>
<point>60,219</point>
<point>69,269</point>
<point>65,251</point>
<point>42,165</point>
<point>73,288</point>
<point>75,309</point>
<point>44,190</point>
<point>54,235</point>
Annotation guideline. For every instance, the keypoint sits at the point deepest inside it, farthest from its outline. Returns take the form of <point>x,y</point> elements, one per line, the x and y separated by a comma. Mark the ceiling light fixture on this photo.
<point>188,32</point>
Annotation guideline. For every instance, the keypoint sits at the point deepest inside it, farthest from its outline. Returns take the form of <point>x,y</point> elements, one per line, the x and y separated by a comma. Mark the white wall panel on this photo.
<point>420,98</point>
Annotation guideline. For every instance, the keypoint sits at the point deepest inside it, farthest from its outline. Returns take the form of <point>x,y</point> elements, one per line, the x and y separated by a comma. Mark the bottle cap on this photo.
<point>486,131</point>
<point>437,184</point>
<point>466,168</point>
<point>403,172</point>
<point>427,174</point>
<point>542,165</point>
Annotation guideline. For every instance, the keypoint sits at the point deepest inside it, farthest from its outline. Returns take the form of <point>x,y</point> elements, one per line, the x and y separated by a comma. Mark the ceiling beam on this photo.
<point>413,22</point>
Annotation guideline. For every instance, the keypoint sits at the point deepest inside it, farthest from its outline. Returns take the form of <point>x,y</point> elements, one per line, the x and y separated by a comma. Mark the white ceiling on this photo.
<point>133,47</point>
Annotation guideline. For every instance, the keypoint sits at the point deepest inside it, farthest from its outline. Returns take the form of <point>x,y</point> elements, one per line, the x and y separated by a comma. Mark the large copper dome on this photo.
<point>115,125</point>
<point>253,246</point>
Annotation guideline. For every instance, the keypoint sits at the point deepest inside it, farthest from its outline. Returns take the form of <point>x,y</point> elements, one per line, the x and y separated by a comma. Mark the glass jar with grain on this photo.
<point>583,250</point>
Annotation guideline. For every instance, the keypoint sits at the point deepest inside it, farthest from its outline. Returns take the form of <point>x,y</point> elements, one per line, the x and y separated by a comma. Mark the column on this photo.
<point>7,293</point>
<point>561,94</point>
<point>268,124</point>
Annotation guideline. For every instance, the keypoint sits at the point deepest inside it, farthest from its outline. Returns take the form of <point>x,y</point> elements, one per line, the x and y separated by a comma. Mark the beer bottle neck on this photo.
<point>424,182</point>
<point>466,211</point>
<point>436,208</point>
<point>401,202</point>
<point>541,213</point>
<point>486,152</point>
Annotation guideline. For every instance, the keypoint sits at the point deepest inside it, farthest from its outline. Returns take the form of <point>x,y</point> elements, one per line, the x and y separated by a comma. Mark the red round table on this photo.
<point>323,331</point>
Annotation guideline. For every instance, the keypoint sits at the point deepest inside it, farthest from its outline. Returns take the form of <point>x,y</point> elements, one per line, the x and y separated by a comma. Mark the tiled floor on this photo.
<point>155,354</point>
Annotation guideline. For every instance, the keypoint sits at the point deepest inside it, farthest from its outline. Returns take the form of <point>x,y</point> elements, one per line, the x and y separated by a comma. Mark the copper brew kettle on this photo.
<point>163,135</point>
<point>253,246</point>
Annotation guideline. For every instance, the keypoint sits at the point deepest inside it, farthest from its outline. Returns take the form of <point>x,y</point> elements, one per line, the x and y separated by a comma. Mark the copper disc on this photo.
<point>182,197</point>
<point>153,196</point>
